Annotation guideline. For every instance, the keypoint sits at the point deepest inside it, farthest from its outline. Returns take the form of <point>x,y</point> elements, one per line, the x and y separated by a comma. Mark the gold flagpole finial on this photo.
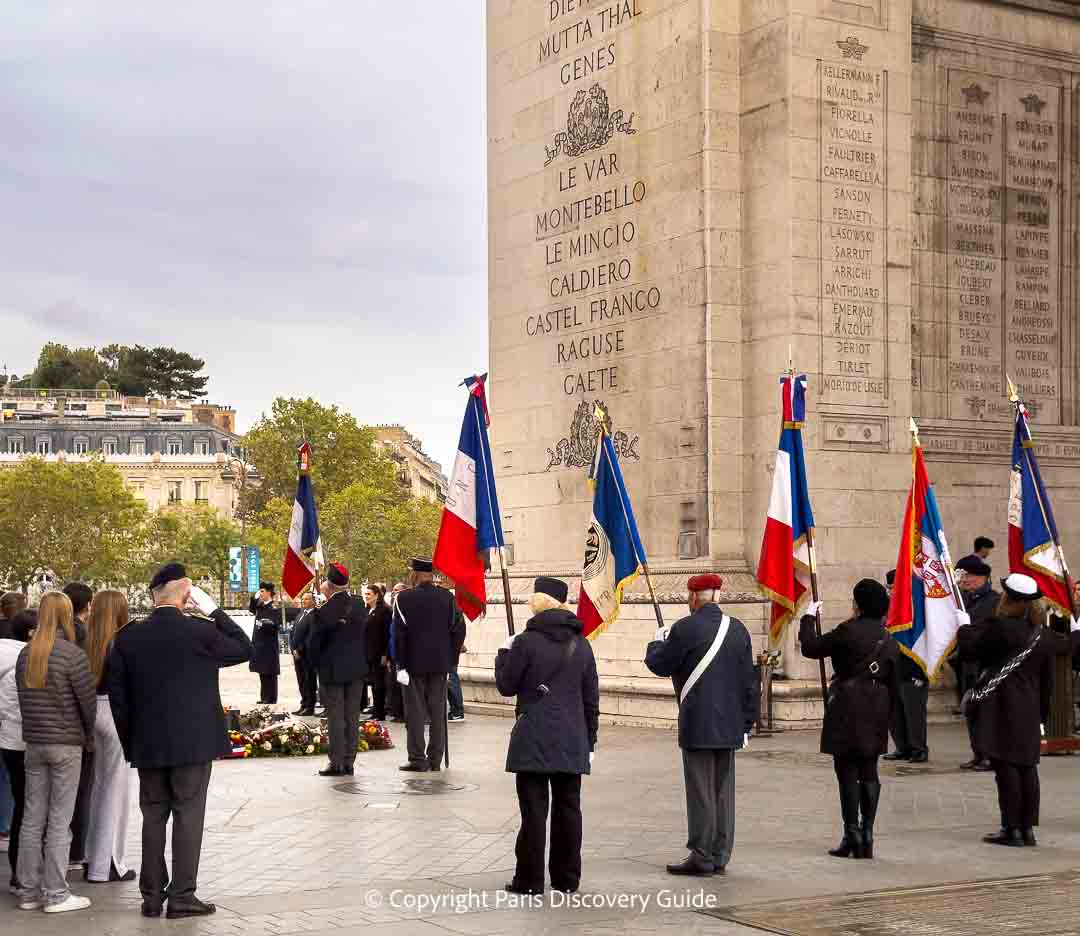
<point>1014,396</point>
<point>913,428</point>
<point>603,418</point>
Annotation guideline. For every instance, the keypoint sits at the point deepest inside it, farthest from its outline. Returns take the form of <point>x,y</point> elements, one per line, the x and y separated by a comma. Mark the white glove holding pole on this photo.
<point>1074,625</point>
<point>592,757</point>
<point>662,633</point>
<point>813,609</point>
<point>204,604</point>
<point>508,643</point>
<point>962,618</point>
<point>403,677</point>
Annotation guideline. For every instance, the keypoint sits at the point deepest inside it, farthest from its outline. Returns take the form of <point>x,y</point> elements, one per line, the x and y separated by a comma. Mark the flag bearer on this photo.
<point>711,661</point>
<point>861,695</point>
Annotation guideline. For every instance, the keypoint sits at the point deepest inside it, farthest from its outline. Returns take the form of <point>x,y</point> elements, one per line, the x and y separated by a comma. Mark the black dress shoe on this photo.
<point>1029,838</point>
<point>331,771</point>
<point>898,755</point>
<point>1010,837</point>
<point>983,766</point>
<point>347,771</point>
<point>919,757</point>
<point>719,869</point>
<point>152,910</point>
<point>693,867</point>
<point>435,768</point>
<point>512,888</point>
<point>414,768</point>
<point>300,712</point>
<point>971,764</point>
<point>189,908</point>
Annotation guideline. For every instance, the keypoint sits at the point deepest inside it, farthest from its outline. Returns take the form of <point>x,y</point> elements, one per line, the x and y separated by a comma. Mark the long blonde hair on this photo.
<point>54,613</point>
<point>108,613</point>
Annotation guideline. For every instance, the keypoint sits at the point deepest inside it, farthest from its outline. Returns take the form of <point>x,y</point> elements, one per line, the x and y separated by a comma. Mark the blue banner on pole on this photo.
<point>236,568</point>
<point>254,568</point>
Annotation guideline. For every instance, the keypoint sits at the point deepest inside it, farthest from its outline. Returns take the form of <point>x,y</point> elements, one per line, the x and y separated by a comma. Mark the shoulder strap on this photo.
<point>706,661</point>
<point>998,678</point>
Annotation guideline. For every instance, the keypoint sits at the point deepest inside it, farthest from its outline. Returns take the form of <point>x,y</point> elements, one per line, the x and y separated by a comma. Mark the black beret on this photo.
<point>172,572</point>
<point>973,565</point>
<point>890,577</point>
<point>337,574</point>
<point>553,587</point>
<point>421,565</point>
<point>267,586</point>
<point>871,598</point>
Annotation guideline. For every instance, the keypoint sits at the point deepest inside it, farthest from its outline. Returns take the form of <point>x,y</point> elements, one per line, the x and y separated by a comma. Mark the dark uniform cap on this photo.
<point>172,572</point>
<point>421,565</point>
<point>871,598</point>
<point>973,565</point>
<point>553,587</point>
<point>337,574</point>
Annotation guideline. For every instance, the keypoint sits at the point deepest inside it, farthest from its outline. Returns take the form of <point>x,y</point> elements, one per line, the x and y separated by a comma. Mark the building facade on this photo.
<point>169,452</point>
<point>417,471</point>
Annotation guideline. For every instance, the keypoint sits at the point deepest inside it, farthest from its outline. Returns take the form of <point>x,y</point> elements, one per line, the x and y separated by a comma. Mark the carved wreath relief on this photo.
<point>576,450</point>
<point>589,125</point>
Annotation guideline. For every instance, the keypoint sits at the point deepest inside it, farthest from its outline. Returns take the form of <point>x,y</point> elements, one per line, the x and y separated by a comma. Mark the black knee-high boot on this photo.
<point>852,844</point>
<point>870,793</point>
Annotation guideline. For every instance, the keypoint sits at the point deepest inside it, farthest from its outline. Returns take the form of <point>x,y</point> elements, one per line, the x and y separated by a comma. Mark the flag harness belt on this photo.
<point>704,663</point>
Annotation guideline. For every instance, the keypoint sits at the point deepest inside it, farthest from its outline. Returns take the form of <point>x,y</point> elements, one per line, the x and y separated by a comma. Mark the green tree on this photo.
<point>343,452</point>
<point>76,521</point>
<point>176,375</point>
<point>61,367</point>
<point>131,369</point>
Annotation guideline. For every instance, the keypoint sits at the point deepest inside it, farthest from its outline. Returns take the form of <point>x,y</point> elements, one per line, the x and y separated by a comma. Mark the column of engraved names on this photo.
<point>1032,245</point>
<point>974,247</point>
<point>852,186</point>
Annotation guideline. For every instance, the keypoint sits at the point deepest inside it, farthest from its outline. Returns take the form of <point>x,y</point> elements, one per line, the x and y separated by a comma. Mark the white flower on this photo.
<point>310,749</point>
<point>267,746</point>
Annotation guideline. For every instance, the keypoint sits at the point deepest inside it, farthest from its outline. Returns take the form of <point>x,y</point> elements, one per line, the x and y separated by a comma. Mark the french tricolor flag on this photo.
<point>784,567</point>
<point>303,556</point>
<point>471,523</point>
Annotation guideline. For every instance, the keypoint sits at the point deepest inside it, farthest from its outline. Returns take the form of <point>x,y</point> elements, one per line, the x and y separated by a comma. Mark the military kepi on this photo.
<point>172,572</point>
<point>421,565</point>
<point>710,581</point>
<point>553,587</point>
<point>973,565</point>
<point>337,574</point>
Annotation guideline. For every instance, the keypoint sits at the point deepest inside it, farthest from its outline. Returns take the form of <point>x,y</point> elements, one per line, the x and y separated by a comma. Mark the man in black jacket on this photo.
<point>980,603</point>
<point>428,636</point>
<point>266,658</point>
<point>307,679</point>
<point>908,728</point>
<point>166,702</point>
<point>711,661</point>
<point>338,651</point>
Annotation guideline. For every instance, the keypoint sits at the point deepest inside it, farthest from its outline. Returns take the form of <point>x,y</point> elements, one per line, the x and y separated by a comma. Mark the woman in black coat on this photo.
<point>1009,716</point>
<point>552,671</point>
<point>266,660</point>
<point>377,637</point>
<point>856,726</point>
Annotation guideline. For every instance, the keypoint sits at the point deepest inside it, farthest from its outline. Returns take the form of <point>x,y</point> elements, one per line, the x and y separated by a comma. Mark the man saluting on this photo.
<point>711,661</point>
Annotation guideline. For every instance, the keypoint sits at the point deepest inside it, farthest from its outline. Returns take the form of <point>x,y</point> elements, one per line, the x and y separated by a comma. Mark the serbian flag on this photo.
<point>613,550</point>
<point>303,556</point>
<point>783,572</point>
<point>471,523</point>
<point>1032,531</point>
<point>922,611</point>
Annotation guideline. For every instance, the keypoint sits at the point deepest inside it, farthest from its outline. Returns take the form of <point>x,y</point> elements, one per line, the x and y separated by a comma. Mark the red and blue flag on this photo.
<point>303,555</point>
<point>784,566</point>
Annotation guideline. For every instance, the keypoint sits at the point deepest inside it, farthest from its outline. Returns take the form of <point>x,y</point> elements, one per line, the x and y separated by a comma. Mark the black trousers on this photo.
<point>395,697</point>
<point>268,689</point>
<point>180,793</point>
<point>564,863</point>
<point>378,691</point>
<point>343,720</point>
<point>1018,794</point>
<point>81,816</point>
<point>851,770</point>
<point>15,763</point>
<point>307,681</point>
<point>908,726</point>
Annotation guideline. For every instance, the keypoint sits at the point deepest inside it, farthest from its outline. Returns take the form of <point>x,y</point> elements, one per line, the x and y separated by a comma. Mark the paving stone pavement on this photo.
<point>287,853</point>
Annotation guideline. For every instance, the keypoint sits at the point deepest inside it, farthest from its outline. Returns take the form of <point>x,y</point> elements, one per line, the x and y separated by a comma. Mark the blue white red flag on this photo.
<point>1032,530</point>
<point>471,522</point>
<point>923,606</point>
<point>303,556</point>
<point>784,565</point>
<point>613,550</point>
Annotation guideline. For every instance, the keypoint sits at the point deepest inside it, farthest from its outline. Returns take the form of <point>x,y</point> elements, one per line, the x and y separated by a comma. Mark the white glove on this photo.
<point>403,677</point>
<point>202,601</point>
<point>592,757</point>
<point>662,633</point>
<point>1074,626</point>
<point>745,741</point>
<point>1042,731</point>
<point>962,618</point>
<point>813,609</point>
<point>508,643</point>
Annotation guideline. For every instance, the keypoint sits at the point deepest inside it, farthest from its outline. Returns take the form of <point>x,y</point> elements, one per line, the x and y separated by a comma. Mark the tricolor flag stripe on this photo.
<point>471,524</point>
<point>303,554</point>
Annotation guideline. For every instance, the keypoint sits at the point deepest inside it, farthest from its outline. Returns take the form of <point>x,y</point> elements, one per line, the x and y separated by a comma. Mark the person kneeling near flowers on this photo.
<point>552,671</point>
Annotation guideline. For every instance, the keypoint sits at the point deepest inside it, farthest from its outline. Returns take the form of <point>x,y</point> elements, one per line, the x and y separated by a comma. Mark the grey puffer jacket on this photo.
<point>64,711</point>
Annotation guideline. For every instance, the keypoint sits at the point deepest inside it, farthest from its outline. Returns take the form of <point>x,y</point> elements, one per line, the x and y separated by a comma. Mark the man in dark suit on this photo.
<point>163,690</point>
<point>711,661</point>
<point>307,679</point>
<point>338,650</point>
<point>428,637</point>
<point>266,659</point>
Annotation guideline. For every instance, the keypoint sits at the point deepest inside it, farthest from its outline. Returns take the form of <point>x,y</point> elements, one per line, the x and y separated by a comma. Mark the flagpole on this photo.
<point>1014,398</point>
<point>815,592</point>
<point>603,419</point>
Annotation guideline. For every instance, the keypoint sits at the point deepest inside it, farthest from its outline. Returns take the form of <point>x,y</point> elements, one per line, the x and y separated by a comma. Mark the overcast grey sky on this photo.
<point>292,190</point>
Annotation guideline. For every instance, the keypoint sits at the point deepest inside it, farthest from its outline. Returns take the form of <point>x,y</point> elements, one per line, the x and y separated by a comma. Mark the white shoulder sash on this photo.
<point>706,661</point>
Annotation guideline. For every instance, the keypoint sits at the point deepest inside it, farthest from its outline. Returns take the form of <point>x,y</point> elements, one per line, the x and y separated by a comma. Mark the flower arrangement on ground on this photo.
<point>259,735</point>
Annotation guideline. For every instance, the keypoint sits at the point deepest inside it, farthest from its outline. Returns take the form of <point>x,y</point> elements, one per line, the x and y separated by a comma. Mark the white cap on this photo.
<point>1020,585</point>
